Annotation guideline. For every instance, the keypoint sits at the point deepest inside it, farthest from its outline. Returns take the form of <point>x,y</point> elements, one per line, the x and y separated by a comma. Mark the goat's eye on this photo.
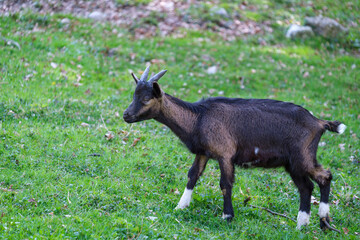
<point>146,100</point>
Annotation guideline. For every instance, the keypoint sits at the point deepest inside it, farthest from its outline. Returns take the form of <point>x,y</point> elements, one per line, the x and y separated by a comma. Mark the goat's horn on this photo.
<point>157,76</point>
<point>135,77</point>
<point>144,76</point>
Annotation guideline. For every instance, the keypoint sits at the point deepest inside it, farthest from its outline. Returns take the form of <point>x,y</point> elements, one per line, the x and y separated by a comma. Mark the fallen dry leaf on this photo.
<point>83,124</point>
<point>136,140</point>
<point>211,91</point>
<point>53,65</point>
<point>8,190</point>
<point>198,229</point>
<point>109,135</point>
<point>211,70</point>
<point>342,146</point>
<point>157,61</point>
<point>32,200</point>
<point>346,231</point>
<point>314,201</point>
<point>132,56</point>
<point>28,76</point>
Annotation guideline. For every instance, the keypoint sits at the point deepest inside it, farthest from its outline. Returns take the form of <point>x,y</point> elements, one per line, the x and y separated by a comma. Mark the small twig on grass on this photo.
<point>68,197</point>
<point>102,119</point>
<point>266,209</point>
<point>10,42</point>
<point>179,222</point>
<point>272,212</point>
<point>328,225</point>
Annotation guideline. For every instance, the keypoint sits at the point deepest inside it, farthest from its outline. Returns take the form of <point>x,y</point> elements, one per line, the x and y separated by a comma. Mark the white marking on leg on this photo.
<point>303,219</point>
<point>256,150</point>
<point>185,199</point>
<point>226,216</point>
<point>324,209</point>
<point>341,128</point>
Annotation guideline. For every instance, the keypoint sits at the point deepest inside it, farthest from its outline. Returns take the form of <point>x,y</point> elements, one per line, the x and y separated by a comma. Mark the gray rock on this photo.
<point>65,21</point>
<point>226,24</point>
<point>219,11</point>
<point>326,27</point>
<point>297,31</point>
<point>96,15</point>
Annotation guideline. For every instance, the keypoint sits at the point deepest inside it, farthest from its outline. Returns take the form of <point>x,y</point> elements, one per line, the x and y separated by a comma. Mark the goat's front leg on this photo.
<point>226,184</point>
<point>194,173</point>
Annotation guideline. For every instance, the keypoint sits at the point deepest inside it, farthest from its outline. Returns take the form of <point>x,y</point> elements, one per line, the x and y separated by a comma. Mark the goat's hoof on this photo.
<point>323,225</point>
<point>181,207</point>
<point>301,227</point>
<point>227,217</point>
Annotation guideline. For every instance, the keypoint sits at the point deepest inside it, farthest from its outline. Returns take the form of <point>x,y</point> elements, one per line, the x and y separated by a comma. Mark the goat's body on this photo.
<point>252,133</point>
<point>244,132</point>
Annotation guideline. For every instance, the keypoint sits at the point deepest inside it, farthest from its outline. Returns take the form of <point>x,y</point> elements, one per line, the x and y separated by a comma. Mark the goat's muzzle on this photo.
<point>128,118</point>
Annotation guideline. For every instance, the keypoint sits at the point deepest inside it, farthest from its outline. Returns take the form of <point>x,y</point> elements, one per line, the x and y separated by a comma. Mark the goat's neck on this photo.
<point>177,115</point>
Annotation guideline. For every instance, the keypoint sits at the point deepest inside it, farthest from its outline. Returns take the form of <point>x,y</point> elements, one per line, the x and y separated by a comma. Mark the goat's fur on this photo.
<point>243,132</point>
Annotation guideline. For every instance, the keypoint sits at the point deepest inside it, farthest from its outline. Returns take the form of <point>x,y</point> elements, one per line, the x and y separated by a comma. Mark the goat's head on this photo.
<point>147,98</point>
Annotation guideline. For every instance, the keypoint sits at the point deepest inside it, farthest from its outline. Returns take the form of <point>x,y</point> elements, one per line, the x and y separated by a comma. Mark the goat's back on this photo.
<point>247,123</point>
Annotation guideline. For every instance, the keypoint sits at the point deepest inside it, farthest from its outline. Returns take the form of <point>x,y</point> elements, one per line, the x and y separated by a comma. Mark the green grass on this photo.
<point>56,187</point>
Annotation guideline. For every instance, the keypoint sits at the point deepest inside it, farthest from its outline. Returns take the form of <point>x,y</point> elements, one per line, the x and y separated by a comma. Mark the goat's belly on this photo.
<point>261,158</point>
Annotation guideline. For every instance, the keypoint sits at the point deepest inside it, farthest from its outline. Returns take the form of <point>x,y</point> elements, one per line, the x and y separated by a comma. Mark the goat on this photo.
<point>244,132</point>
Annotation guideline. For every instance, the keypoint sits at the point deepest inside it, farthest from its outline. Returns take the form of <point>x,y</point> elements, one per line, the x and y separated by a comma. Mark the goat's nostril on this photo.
<point>126,116</point>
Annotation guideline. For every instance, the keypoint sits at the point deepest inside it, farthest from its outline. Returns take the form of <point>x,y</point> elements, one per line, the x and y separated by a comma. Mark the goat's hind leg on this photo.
<point>323,178</point>
<point>194,173</point>
<point>305,187</point>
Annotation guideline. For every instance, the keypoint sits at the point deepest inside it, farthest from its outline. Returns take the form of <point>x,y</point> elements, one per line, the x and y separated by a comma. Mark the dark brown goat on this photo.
<point>244,132</point>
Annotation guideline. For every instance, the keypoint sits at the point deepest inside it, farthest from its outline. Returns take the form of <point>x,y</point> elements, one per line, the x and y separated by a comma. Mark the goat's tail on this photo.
<point>335,126</point>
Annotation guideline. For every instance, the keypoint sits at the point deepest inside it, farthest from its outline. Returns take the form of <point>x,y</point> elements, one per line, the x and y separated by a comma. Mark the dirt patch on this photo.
<point>157,18</point>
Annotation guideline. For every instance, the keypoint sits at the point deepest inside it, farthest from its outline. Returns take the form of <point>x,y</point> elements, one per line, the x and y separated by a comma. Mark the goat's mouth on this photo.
<point>130,118</point>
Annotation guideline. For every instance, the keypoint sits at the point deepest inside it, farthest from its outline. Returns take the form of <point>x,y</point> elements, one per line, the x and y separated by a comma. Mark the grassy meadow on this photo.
<point>71,168</point>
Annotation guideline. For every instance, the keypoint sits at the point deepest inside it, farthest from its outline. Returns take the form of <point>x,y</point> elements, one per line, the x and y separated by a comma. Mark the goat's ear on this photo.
<point>157,90</point>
